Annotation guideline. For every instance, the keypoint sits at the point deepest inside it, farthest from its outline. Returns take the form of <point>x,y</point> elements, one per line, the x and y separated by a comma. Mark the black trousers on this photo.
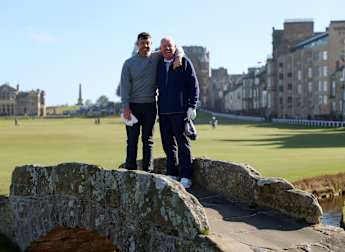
<point>146,114</point>
<point>176,145</point>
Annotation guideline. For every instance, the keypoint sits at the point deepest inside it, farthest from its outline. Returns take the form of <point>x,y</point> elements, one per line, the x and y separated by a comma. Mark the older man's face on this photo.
<point>144,46</point>
<point>168,49</point>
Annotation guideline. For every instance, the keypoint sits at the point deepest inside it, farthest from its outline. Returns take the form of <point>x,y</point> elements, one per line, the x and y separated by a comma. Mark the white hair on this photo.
<point>168,38</point>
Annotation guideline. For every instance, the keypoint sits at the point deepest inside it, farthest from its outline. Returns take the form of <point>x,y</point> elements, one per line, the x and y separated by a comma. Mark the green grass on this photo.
<point>286,151</point>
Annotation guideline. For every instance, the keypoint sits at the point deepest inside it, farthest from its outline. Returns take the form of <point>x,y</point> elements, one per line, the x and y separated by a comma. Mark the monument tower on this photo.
<point>80,99</point>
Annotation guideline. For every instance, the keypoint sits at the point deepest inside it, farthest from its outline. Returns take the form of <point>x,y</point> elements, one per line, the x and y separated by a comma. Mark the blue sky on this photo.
<point>56,44</point>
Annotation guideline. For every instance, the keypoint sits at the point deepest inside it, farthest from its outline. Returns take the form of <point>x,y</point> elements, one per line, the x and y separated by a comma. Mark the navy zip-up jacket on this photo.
<point>178,89</point>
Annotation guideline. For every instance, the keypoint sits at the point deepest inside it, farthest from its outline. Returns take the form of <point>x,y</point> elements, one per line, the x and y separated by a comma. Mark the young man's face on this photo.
<point>168,49</point>
<point>144,46</point>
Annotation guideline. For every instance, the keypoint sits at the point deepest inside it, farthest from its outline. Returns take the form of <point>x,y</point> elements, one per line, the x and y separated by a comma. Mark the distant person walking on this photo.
<point>138,94</point>
<point>178,96</point>
<point>214,122</point>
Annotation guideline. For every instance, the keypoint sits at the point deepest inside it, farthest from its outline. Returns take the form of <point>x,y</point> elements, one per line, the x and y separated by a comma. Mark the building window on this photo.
<point>325,55</point>
<point>299,75</point>
<point>320,86</point>
<point>333,89</point>
<point>320,71</point>
<point>325,84</point>
<point>289,74</point>
<point>299,89</point>
<point>325,99</point>
<point>269,83</point>
<point>334,106</point>
<point>310,72</point>
<point>341,106</point>
<point>281,76</point>
<point>289,86</point>
<point>289,100</point>
<point>310,86</point>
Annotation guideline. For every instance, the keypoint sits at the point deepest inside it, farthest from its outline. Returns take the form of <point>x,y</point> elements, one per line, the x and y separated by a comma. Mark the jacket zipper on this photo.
<point>167,77</point>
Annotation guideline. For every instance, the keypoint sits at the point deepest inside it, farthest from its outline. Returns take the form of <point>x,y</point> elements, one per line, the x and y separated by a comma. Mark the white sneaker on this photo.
<point>186,183</point>
<point>173,177</point>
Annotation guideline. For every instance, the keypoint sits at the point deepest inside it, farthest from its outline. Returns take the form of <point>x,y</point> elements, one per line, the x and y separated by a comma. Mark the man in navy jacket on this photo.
<point>178,96</point>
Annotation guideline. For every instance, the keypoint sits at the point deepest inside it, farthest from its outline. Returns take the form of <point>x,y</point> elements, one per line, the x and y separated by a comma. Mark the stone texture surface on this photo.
<point>137,211</point>
<point>241,182</point>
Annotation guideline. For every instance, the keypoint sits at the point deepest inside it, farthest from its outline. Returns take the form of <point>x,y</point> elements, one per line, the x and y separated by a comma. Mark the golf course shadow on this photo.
<point>299,140</point>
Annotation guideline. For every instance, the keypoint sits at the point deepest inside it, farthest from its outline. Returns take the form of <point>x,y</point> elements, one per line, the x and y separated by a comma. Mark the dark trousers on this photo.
<point>176,145</point>
<point>146,114</point>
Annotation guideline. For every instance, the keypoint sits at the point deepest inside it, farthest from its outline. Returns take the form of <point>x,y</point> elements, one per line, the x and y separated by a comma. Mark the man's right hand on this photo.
<point>127,113</point>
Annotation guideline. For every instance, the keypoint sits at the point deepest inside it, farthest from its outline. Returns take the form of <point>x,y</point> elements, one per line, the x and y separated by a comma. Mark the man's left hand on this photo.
<point>191,113</point>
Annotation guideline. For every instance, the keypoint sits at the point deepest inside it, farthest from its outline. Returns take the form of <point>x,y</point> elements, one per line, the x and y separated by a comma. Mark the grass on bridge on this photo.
<point>292,152</point>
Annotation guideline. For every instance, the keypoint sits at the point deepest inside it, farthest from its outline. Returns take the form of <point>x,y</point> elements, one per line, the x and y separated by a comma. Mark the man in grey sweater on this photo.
<point>138,95</point>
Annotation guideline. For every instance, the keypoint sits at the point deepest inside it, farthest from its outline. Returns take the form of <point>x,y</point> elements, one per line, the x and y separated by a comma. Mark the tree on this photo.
<point>102,101</point>
<point>88,103</point>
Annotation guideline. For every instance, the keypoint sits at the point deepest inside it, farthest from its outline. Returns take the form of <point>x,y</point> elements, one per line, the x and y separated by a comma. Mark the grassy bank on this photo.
<point>286,151</point>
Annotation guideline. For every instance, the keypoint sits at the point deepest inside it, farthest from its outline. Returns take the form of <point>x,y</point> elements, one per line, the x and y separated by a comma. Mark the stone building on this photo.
<point>15,102</point>
<point>269,98</point>
<point>233,98</point>
<point>220,82</point>
<point>303,62</point>
<point>7,99</point>
<point>200,57</point>
<point>337,93</point>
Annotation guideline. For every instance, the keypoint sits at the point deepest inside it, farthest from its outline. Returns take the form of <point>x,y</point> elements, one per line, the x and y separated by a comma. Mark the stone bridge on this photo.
<point>231,207</point>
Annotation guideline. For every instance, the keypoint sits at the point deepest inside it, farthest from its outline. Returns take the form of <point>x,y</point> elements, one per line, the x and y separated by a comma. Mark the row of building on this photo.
<point>304,78</point>
<point>16,102</point>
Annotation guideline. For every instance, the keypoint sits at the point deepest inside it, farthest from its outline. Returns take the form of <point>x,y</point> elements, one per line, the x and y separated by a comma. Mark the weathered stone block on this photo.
<point>132,208</point>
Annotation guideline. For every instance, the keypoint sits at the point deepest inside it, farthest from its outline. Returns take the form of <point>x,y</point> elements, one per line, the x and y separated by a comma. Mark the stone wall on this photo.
<point>243,183</point>
<point>135,210</point>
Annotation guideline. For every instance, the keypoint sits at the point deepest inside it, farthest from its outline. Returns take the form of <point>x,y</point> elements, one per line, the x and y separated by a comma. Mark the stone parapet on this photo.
<point>137,211</point>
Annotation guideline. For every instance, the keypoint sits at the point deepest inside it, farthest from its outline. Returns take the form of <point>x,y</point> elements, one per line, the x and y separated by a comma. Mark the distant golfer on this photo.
<point>214,122</point>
